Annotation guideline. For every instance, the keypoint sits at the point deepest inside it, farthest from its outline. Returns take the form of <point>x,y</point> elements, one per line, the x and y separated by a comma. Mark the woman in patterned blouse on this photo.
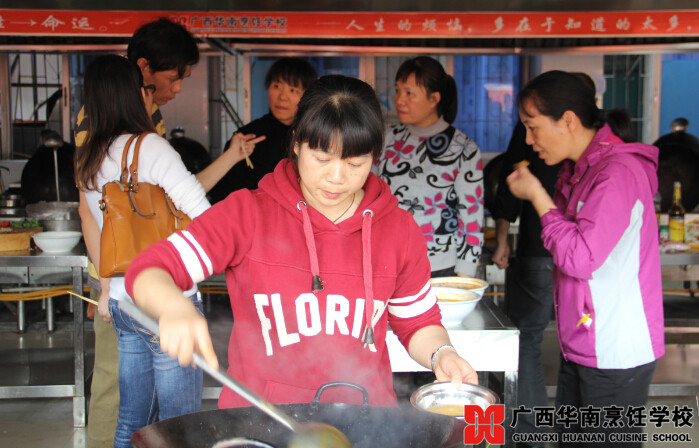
<point>434,169</point>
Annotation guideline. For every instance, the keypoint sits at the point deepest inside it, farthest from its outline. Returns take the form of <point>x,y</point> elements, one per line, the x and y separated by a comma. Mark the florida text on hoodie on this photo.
<point>287,340</point>
<point>604,240</point>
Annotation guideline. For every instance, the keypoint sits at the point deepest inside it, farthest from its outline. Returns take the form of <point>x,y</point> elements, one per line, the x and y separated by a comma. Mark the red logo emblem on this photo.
<point>484,424</point>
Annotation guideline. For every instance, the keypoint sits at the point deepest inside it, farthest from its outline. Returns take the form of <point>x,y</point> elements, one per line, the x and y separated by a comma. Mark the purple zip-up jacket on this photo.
<point>604,240</point>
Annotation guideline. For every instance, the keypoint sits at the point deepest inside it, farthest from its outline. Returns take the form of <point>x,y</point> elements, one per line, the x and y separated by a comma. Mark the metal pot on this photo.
<point>14,212</point>
<point>12,194</point>
<point>59,216</point>
<point>365,426</point>
<point>11,203</point>
<point>61,225</point>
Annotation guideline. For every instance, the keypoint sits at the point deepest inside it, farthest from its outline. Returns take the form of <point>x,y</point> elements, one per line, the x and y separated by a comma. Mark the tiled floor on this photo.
<point>40,358</point>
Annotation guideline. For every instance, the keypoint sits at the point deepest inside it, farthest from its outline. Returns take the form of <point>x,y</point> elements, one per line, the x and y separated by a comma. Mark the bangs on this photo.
<point>406,70</point>
<point>530,103</point>
<point>413,67</point>
<point>528,106</point>
<point>290,77</point>
<point>295,72</point>
<point>340,125</point>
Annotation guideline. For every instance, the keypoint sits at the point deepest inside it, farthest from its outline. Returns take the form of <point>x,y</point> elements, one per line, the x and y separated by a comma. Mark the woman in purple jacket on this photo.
<point>601,229</point>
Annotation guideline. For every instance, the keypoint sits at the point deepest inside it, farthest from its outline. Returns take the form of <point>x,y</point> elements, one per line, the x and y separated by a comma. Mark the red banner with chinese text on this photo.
<point>358,24</point>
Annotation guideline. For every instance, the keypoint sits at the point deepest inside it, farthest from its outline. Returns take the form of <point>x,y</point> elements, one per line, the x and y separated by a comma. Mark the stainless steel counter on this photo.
<point>76,261</point>
<point>690,257</point>
<point>680,266</point>
<point>488,341</point>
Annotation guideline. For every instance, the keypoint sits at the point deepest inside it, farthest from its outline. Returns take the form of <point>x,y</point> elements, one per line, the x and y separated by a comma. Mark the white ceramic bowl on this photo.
<point>475,285</point>
<point>455,304</point>
<point>57,241</point>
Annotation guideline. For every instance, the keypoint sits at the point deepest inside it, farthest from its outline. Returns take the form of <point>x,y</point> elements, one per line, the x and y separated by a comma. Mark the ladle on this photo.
<point>52,140</point>
<point>306,435</point>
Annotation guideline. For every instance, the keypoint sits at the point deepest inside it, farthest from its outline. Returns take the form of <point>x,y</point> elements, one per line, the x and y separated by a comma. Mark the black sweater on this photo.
<point>268,153</point>
<point>509,207</point>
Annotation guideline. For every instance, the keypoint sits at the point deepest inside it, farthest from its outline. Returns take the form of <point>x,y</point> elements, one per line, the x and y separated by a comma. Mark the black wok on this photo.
<point>365,426</point>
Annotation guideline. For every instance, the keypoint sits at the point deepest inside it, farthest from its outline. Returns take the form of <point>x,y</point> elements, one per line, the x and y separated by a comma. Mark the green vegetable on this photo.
<point>25,224</point>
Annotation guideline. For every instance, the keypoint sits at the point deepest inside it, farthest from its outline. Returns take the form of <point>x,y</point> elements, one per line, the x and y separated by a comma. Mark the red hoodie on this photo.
<point>287,340</point>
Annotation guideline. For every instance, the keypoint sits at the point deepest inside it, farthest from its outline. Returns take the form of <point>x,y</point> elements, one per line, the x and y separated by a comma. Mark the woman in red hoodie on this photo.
<point>319,261</point>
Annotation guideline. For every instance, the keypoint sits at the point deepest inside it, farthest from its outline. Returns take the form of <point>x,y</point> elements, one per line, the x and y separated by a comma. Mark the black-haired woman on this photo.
<point>434,169</point>
<point>318,261</point>
<point>601,230</point>
<point>151,384</point>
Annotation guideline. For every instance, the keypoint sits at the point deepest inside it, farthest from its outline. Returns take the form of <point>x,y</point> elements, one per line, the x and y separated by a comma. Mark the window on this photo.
<point>488,87</point>
<point>627,78</point>
<point>679,95</point>
<point>35,89</point>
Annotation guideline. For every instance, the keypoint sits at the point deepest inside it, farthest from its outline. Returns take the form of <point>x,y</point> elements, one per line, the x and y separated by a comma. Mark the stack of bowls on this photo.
<point>12,204</point>
<point>457,297</point>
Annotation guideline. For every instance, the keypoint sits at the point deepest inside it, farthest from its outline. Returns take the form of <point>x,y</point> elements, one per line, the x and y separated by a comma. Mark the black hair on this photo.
<point>555,92</point>
<point>588,82</point>
<point>338,110</point>
<point>293,71</point>
<point>113,106</point>
<point>620,122</point>
<point>679,124</point>
<point>166,45</point>
<point>430,74</point>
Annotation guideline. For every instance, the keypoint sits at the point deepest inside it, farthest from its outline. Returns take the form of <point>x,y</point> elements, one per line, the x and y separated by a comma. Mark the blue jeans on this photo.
<point>529,293</point>
<point>151,384</point>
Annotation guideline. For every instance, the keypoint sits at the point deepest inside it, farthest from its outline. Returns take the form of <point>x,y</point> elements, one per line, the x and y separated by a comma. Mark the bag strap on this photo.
<point>124,158</point>
<point>133,169</point>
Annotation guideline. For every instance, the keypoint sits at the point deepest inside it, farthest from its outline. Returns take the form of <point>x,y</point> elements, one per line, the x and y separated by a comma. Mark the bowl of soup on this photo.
<point>444,398</point>
<point>455,304</point>
<point>474,285</point>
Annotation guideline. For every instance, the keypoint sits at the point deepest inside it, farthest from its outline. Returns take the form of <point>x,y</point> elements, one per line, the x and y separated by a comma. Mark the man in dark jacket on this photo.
<point>165,52</point>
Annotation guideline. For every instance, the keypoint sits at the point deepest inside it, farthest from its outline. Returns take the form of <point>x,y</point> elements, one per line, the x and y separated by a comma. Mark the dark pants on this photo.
<point>529,304</point>
<point>580,387</point>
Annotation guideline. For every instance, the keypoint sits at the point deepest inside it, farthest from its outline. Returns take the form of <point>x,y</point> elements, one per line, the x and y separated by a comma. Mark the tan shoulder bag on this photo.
<point>136,215</point>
